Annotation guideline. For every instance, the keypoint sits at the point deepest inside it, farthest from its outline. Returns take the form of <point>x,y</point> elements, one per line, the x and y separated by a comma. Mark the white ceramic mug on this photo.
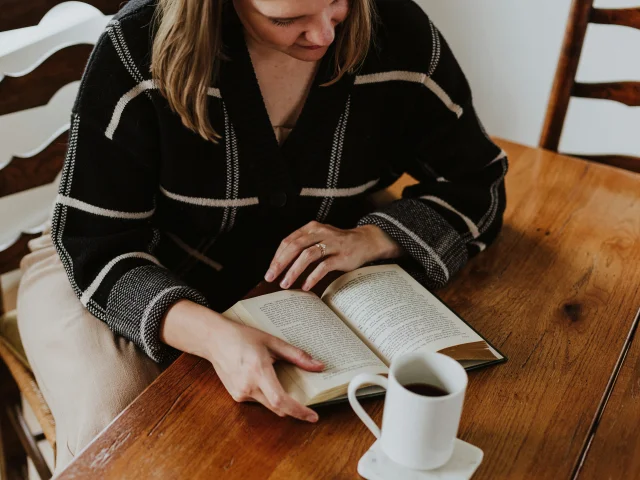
<point>417,431</point>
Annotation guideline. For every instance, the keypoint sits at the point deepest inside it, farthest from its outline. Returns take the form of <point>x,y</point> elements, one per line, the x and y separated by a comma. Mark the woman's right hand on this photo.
<point>242,356</point>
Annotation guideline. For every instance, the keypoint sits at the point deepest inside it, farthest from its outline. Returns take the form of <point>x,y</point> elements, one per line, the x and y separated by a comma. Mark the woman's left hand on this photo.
<point>345,251</point>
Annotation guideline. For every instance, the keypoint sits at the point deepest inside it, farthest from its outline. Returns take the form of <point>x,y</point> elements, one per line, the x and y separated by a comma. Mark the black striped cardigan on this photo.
<point>149,213</point>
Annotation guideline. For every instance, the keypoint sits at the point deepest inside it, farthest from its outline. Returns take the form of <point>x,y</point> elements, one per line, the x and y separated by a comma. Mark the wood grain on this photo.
<point>627,93</point>
<point>555,293</point>
<point>613,453</point>
<point>565,74</point>
<point>37,87</point>
<point>41,169</point>
<point>626,17</point>
<point>21,13</point>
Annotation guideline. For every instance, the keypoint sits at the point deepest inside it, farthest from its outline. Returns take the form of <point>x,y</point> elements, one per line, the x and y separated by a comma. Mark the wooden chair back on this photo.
<point>565,86</point>
<point>35,111</point>
<point>20,14</point>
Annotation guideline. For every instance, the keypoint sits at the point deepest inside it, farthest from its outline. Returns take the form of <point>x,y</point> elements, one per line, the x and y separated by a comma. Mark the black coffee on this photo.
<point>426,390</point>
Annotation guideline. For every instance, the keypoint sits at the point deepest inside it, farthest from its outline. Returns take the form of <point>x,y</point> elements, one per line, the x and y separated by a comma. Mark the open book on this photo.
<point>359,323</point>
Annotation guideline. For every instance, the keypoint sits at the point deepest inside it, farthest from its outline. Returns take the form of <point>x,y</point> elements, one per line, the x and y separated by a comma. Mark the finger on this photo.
<point>275,269</point>
<point>253,394</point>
<point>319,272</point>
<point>288,239</point>
<point>305,229</point>
<point>292,251</point>
<point>281,400</point>
<point>259,397</point>
<point>294,355</point>
<point>308,256</point>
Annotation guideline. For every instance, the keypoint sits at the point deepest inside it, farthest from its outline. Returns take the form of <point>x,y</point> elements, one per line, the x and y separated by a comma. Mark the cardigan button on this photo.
<point>278,199</point>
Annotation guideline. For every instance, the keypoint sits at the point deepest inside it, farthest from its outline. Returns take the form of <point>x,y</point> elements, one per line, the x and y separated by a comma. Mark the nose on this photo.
<point>321,32</point>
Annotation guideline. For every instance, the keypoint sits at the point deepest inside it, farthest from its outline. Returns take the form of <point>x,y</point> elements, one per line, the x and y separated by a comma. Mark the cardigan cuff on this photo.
<point>139,301</point>
<point>435,248</point>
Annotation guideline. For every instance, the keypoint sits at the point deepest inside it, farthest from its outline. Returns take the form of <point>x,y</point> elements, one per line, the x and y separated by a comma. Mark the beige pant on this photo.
<point>87,374</point>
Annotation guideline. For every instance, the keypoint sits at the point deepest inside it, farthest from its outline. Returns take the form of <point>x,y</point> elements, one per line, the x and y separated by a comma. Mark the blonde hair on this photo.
<point>188,35</point>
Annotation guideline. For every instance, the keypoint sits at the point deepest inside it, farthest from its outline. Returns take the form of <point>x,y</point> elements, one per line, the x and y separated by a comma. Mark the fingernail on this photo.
<point>305,287</point>
<point>317,363</point>
<point>284,284</point>
<point>269,276</point>
<point>312,417</point>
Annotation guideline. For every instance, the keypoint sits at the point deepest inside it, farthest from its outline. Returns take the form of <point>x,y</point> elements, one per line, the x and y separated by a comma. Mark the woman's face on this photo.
<point>303,29</point>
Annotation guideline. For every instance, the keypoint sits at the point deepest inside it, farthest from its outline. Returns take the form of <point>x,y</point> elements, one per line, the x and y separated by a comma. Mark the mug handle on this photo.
<point>355,383</point>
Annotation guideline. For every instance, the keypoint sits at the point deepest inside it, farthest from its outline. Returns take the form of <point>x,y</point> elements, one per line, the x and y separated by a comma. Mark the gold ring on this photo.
<point>322,247</point>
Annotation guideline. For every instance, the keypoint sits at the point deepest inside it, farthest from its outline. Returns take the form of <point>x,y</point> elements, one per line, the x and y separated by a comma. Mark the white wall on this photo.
<point>509,51</point>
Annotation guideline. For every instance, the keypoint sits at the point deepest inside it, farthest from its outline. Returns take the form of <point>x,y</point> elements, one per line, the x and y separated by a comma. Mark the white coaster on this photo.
<point>375,465</point>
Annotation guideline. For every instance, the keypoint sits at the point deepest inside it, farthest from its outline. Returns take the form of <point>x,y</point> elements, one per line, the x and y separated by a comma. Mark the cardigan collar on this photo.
<point>246,109</point>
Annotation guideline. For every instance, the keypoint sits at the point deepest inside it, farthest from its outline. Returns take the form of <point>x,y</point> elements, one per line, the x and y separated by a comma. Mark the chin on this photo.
<point>307,55</point>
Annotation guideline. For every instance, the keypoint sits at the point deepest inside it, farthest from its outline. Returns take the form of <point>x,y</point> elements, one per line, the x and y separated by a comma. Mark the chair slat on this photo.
<point>621,161</point>
<point>565,85</point>
<point>565,74</point>
<point>24,173</point>
<point>10,258</point>
<point>61,68</point>
<point>623,92</point>
<point>27,13</point>
<point>29,389</point>
<point>28,442</point>
<point>626,17</point>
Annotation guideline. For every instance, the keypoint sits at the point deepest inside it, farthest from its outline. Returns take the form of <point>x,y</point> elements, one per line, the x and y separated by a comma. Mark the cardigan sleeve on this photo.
<point>456,209</point>
<point>102,223</point>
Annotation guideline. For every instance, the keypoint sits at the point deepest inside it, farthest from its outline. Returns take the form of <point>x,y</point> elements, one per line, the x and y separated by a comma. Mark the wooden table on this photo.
<point>557,292</point>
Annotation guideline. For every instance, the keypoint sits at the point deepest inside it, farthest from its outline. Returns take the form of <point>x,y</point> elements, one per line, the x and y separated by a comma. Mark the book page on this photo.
<point>394,315</point>
<point>303,320</point>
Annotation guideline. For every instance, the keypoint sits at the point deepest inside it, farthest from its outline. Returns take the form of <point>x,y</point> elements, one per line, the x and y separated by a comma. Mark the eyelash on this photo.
<point>289,22</point>
<point>281,24</point>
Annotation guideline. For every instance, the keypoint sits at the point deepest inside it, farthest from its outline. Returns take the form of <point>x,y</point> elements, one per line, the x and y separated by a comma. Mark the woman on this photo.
<point>215,143</point>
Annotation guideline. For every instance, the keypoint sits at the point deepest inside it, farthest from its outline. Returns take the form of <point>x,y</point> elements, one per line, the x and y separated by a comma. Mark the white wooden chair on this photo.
<point>44,47</point>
